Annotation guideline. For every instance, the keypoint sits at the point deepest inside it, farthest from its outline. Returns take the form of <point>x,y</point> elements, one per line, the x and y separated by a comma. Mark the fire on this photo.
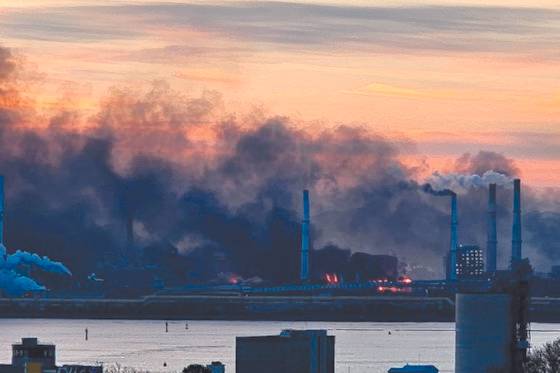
<point>331,278</point>
<point>405,280</point>
<point>234,279</point>
<point>392,289</point>
<point>380,280</point>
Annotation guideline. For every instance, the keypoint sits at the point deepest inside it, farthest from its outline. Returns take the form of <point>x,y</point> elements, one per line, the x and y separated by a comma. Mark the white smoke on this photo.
<point>461,183</point>
<point>13,282</point>
<point>23,257</point>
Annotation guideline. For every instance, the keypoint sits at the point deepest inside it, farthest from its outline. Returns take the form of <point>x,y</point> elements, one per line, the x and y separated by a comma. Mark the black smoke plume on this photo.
<point>210,197</point>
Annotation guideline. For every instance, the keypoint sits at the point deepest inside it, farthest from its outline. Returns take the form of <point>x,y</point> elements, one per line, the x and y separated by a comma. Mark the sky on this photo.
<point>442,77</point>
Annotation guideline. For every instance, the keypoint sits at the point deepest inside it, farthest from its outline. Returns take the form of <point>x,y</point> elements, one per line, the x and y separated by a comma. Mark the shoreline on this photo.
<point>257,308</point>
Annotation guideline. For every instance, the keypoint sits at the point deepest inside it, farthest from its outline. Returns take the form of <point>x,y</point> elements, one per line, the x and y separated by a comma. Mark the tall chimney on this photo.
<point>1,209</point>
<point>492,243</point>
<point>516,229</point>
<point>452,275</point>
<point>130,232</point>
<point>304,273</point>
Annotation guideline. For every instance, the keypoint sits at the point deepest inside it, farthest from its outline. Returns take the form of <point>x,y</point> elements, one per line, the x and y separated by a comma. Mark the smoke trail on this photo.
<point>428,188</point>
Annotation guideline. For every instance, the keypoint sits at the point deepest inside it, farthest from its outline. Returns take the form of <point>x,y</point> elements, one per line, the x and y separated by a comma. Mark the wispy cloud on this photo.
<point>536,145</point>
<point>300,25</point>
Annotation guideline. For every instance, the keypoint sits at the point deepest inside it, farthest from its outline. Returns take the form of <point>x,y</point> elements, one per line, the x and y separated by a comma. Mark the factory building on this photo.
<point>470,262</point>
<point>30,356</point>
<point>301,351</point>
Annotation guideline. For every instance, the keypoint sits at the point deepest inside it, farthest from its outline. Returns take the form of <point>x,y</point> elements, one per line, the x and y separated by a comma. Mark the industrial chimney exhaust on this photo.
<point>492,243</point>
<point>454,240</point>
<point>304,273</point>
<point>516,229</point>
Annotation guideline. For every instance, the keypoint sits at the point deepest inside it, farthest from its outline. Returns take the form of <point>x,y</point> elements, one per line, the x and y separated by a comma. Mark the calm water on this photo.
<point>360,347</point>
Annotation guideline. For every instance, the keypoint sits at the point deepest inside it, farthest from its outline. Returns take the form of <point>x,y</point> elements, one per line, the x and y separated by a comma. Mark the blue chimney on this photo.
<point>492,243</point>
<point>304,273</point>
<point>516,229</point>
<point>454,240</point>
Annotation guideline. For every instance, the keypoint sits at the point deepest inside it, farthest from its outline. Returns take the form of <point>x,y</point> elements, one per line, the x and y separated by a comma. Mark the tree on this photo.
<point>545,359</point>
<point>196,368</point>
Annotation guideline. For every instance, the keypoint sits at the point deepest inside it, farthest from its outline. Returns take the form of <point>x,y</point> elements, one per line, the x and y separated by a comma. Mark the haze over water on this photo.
<point>360,347</point>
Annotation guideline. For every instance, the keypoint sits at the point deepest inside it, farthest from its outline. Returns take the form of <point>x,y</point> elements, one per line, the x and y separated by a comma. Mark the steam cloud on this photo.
<point>460,182</point>
<point>208,196</point>
<point>13,281</point>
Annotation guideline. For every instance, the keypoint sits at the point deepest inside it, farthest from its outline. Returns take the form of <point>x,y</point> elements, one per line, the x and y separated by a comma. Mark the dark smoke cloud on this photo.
<point>209,198</point>
<point>443,192</point>
<point>485,161</point>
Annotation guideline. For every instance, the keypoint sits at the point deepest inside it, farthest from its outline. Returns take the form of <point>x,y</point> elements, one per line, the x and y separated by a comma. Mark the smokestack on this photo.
<point>304,274</point>
<point>130,232</point>
<point>1,209</point>
<point>516,229</point>
<point>454,241</point>
<point>492,243</point>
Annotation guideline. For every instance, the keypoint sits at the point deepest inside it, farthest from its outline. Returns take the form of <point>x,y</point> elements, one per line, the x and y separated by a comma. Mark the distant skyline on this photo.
<point>441,77</point>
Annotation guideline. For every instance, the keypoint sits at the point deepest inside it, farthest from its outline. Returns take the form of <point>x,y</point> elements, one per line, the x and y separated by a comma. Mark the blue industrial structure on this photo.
<point>304,273</point>
<point>454,241</point>
<point>516,254</point>
<point>492,243</point>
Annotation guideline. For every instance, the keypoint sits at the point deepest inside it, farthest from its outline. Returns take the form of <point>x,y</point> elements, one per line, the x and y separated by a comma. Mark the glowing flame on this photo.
<point>331,278</point>
<point>405,280</point>
<point>234,279</point>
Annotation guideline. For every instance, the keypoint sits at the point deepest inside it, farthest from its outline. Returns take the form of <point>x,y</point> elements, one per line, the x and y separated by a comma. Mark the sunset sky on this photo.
<point>447,76</point>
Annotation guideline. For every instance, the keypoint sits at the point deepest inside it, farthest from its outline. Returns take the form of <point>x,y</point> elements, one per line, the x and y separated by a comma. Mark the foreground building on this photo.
<point>30,356</point>
<point>297,351</point>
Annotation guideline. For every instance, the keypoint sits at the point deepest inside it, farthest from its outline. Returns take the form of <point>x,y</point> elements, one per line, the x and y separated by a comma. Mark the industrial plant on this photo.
<point>357,286</point>
<point>492,307</point>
